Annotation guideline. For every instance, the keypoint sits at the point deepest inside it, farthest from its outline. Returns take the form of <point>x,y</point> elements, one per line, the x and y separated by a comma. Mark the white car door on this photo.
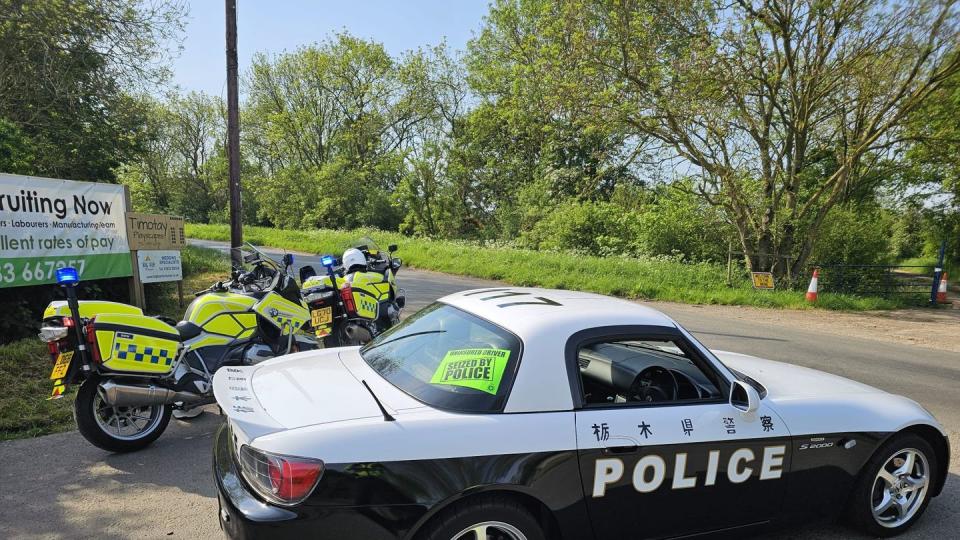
<point>662,450</point>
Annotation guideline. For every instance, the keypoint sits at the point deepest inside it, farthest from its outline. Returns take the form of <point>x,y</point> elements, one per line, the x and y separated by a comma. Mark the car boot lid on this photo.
<point>303,389</point>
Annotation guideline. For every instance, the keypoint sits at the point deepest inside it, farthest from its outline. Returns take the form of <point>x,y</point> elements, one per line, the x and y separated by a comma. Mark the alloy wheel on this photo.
<point>490,530</point>
<point>126,423</point>
<point>900,488</point>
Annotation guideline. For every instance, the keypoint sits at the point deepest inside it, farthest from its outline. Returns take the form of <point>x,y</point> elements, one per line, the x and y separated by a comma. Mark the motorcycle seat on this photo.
<point>188,330</point>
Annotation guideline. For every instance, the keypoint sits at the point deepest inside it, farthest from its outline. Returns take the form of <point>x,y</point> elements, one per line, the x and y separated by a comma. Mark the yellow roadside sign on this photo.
<point>762,280</point>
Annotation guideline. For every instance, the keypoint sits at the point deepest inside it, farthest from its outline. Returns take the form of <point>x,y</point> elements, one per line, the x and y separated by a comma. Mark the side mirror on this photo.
<point>391,248</point>
<point>287,259</point>
<point>306,272</point>
<point>744,397</point>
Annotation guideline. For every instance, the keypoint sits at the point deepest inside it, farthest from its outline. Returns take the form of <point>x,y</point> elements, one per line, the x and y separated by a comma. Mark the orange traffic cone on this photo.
<point>942,291</point>
<point>812,289</point>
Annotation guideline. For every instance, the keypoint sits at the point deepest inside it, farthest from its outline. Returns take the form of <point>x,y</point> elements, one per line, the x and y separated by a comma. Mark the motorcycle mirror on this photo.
<point>307,272</point>
<point>287,259</point>
<point>391,248</point>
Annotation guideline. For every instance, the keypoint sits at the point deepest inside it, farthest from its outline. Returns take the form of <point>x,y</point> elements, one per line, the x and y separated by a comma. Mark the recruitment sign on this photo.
<point>47,224</point>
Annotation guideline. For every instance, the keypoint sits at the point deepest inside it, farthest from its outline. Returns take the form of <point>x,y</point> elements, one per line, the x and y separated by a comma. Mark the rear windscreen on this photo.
<point>447,358</point>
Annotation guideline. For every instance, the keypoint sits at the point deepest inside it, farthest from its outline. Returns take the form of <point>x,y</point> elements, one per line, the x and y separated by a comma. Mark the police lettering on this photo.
<point>650,471</point>
<point>476,369</point>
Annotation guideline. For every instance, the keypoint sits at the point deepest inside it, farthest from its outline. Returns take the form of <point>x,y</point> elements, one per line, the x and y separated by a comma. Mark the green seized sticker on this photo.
<point>480,369</point>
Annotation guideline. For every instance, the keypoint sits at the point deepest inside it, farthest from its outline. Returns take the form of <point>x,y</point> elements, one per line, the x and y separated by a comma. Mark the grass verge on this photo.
<point>924,266</point>
<point>653,278</point>
<point>25,364</point>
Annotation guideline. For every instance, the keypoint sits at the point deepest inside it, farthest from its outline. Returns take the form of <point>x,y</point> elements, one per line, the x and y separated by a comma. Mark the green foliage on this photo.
<point>654,278</point>
<point>335,194</point>
<point>331,125</point>
<point>69,69</point>
<point>183,170</point>
<point>855,235</point>
<point>598,228</point>
<point>679,222</point>
<point>668,220</point>
<point>16,150</point>
<point>25,367</point>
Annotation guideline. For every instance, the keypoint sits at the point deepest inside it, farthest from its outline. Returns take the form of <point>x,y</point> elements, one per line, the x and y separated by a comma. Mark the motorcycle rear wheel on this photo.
<point>117,429</point>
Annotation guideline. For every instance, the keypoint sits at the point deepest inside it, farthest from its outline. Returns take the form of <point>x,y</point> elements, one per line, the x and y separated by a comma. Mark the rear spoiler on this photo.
<point>234,393</point>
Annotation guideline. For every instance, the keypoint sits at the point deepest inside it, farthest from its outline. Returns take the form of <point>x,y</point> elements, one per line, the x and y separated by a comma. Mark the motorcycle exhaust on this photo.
<point>124,395</point>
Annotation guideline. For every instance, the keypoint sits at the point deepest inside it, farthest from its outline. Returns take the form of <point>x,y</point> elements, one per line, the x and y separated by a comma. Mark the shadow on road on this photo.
<point>941,521</point>
<point>76,490</point>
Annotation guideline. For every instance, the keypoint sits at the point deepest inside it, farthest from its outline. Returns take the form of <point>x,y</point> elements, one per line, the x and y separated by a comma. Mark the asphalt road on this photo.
<point>61,487</point>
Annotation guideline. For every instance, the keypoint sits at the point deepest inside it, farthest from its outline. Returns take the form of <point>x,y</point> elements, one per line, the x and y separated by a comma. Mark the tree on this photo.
<point>934,160</point>
<point>67,73</point>
<point>337,120</point>
<point>183,168</point>
<point>748,96</point>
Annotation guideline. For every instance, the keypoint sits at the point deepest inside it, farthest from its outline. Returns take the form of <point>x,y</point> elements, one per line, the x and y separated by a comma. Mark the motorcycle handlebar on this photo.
<point>216,287</point>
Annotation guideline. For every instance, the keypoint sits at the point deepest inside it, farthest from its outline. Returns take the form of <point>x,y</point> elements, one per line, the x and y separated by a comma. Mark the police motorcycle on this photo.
<point>357,299</point>
<point>134,370</point>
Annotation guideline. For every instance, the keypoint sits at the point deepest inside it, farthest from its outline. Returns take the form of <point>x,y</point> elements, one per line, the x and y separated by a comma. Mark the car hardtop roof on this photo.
<point>553,313</point>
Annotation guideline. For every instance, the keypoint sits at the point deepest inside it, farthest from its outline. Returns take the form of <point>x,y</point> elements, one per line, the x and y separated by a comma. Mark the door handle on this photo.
<point>626,449</point>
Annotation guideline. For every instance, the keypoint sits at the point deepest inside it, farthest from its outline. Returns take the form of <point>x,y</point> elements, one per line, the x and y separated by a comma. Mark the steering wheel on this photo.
<point>656,383</point>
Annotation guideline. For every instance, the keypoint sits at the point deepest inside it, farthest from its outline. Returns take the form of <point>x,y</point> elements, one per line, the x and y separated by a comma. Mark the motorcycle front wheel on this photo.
<point>117,429</point>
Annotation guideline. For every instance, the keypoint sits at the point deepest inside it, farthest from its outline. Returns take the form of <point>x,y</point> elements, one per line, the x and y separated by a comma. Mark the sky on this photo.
<point>283,25</point>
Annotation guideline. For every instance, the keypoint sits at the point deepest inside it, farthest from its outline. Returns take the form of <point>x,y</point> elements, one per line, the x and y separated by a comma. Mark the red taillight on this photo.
<point>346,294</point>
<point>92,342</point>
<point>293,480</point>
<point>68,322</point>
<point>283,479</point>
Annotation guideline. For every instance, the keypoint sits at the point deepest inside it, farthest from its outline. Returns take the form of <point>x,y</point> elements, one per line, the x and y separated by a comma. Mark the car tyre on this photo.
<point>886,484</point>
<point>501,517</point>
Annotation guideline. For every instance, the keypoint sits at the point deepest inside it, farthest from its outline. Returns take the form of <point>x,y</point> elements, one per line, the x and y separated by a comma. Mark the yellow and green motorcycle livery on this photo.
<point>135,369</point>
<point>351,306</point>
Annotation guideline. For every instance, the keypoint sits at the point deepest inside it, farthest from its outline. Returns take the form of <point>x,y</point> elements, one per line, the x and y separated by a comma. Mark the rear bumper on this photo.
<point>244,516</point>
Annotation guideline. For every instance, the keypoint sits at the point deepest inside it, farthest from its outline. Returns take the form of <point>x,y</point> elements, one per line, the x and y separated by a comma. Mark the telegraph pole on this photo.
<point>233,135</point>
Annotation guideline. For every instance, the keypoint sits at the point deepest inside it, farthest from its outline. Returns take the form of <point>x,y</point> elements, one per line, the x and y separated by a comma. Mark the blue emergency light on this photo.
<point>326,260</point>
<point>67,276</point>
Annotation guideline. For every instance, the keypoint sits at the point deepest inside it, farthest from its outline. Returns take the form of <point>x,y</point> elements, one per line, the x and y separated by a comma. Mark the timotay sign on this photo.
<point>154,231</point>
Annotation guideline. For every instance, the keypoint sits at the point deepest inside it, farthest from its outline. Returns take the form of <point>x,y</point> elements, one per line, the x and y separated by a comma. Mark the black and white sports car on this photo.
<point>512,413</point>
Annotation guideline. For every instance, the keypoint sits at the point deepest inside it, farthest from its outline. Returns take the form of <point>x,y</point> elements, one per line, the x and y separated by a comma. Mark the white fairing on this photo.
<point>812,401</point>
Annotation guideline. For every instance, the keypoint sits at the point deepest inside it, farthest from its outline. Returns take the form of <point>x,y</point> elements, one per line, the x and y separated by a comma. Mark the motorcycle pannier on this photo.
<point>135,343</point>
